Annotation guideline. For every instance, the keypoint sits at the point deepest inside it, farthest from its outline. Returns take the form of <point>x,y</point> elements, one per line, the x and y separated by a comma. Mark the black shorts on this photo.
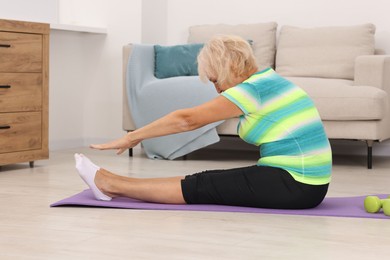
<point>253,186</point>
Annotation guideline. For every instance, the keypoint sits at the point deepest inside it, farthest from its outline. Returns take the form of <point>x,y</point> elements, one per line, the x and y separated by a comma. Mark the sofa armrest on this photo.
<point>127,120</point>
<point>373,70</point>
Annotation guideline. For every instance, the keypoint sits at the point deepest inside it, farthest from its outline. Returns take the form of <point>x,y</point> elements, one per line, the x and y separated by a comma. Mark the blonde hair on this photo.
<point>225,57</point>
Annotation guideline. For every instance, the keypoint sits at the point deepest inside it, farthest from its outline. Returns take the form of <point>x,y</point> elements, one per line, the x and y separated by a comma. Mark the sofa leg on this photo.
<point>131,149</point>
<point>369,153</point>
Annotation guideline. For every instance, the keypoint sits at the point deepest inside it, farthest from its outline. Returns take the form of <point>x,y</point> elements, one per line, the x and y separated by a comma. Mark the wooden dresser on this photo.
<point>24,73</point>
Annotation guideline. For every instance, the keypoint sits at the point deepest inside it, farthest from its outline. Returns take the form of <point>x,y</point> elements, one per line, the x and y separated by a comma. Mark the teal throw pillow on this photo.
<point>178,60</point>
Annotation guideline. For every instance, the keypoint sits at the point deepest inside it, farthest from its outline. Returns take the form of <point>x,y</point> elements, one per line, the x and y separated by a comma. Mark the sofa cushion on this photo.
<point>263,36</point>
<point>174,61</point>
<point>326,52</point>
<point>338,99</point>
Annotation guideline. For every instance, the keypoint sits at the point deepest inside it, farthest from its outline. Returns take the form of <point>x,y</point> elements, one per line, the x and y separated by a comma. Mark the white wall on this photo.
<point>83,12</point>
<point>30,10</point>
<point>86,78</point>
<point>154,21</point>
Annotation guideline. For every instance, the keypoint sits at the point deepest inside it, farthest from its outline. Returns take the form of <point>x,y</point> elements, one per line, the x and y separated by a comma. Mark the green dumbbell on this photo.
<point>386,207</point>
<point>373,204</point>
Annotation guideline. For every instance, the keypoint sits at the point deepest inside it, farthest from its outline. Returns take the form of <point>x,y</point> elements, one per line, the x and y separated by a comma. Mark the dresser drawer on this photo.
<point>20,92</point>
<point>20,52</point>
<point>20,131</point>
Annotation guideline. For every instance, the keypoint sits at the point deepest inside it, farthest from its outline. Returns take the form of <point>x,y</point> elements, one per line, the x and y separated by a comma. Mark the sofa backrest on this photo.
<point>325,52</point>
<point>262,36</point>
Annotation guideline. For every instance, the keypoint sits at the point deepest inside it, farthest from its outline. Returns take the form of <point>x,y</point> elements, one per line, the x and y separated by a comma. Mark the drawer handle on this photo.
<point>4,127</point>
<point>5,45</point>
<point>5,86</point>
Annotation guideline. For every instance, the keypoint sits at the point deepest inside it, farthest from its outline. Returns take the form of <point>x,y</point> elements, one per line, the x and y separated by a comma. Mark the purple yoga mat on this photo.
<point>335,207</point>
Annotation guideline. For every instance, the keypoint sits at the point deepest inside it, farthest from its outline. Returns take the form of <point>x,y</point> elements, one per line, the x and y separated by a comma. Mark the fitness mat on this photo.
<point>335,207</point>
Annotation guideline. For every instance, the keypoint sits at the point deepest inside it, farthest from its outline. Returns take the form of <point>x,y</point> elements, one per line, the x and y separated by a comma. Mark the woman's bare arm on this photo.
<point>183,120</point>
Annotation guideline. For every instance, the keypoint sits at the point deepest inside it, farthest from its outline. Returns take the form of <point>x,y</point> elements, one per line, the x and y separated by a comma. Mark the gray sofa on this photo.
<point>339,67</point>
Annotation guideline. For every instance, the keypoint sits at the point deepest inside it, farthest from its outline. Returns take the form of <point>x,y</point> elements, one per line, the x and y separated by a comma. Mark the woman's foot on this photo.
<point>88,171</point>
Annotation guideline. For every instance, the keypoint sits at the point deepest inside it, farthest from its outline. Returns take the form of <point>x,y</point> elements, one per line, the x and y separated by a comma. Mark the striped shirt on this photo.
<point>282,120</point>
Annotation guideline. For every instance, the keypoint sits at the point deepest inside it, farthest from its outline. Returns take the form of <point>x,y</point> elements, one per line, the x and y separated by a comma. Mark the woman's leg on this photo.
<point>106,185</point>
<point>159,190</point>
<point>253,186</point>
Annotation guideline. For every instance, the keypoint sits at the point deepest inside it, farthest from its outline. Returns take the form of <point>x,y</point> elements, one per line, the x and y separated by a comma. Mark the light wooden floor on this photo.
<point>30,229</point>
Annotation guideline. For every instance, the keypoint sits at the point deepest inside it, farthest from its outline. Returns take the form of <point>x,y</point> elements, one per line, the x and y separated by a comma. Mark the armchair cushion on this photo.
<point>174,61</point>
<point>339,100</point>
<point>325,52</point>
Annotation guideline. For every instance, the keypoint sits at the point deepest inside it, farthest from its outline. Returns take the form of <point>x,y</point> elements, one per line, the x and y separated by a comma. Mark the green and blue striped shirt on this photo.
<point>282,120</point>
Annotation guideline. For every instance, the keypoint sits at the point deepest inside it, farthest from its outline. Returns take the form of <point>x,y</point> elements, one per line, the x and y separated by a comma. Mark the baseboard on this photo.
<point>55,145</point>
<point>89,141</point>
<point>338,146</point>
<point>359,147</point>
<point>235,143</point>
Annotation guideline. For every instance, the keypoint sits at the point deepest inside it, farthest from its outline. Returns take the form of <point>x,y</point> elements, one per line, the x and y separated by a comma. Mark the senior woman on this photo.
<point>296,160</point>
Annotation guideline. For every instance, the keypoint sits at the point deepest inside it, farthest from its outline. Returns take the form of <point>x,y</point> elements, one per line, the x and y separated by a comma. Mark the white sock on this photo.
<point>87,171</point>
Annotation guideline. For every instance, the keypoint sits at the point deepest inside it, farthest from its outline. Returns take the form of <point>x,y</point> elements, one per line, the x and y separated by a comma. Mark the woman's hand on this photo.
<point>121,144</point>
